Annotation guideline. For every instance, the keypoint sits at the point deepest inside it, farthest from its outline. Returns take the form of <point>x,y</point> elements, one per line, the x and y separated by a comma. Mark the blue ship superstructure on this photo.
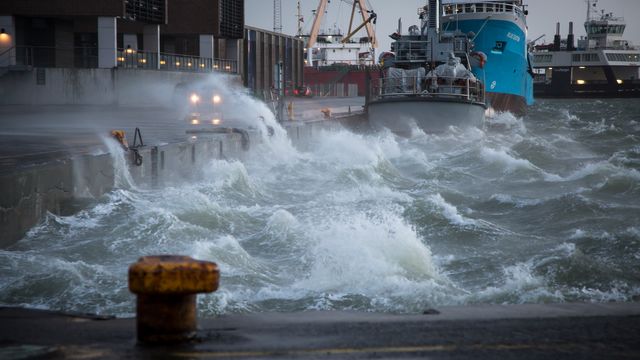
<point>500,36</point>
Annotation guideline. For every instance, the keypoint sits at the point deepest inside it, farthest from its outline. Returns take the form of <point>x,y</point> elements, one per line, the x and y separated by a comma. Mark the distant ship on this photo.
<point>427,81</point>
<point>499,31</point>
<point>603,64</point>
<point>336,64</point>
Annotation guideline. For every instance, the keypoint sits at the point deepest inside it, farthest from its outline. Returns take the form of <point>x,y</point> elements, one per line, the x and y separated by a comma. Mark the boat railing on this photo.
<point>482,7</point>
<point>425,86</point>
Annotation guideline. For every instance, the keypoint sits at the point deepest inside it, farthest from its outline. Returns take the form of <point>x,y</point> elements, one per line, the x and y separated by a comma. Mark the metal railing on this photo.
<point>466,88</point>
<point>87,58</point>
<point>481,7</point>
<point>128,58</point>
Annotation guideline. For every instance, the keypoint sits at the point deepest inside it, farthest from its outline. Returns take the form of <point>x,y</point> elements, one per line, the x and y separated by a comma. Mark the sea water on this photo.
<point>539,209</point>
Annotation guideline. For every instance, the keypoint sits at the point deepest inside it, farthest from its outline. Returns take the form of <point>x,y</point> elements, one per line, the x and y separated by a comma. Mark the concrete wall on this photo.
<point>64,86</point>
<point>60,187</point>
<point>262,50</point>
<point>27,195</point>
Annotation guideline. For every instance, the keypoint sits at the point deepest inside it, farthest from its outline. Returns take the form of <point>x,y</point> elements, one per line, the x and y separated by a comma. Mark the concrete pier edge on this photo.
<point>57,186</point>
<point>603,330</point>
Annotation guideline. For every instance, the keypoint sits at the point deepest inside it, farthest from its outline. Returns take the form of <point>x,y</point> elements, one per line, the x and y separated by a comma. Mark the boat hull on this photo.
<point>563,85</point>
<point>432,115</point>
<point>506,72</point>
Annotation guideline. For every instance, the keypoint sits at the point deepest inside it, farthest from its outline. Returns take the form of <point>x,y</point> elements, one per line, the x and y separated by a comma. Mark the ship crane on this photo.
<point>366,22</point>
<point>372,19</point>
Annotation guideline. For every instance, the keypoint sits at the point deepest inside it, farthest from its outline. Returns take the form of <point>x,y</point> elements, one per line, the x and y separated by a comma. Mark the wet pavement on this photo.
<point>535,331</point>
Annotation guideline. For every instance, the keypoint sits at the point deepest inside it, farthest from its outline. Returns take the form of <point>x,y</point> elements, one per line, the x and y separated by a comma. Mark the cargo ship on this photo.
<point>337,63</point>
<point>602,65</point>
<point>499,33</point>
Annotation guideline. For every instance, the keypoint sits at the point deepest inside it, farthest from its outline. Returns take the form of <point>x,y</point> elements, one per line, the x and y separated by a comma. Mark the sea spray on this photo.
<point>540,213</point>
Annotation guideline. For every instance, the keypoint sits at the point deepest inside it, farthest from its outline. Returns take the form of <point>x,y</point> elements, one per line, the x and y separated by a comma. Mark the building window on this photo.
<point>623,57</point>
<point>543,58</point>
<point>147,11</point>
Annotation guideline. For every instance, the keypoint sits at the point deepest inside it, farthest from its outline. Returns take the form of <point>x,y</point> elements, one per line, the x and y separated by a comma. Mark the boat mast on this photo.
<point>590,3</point>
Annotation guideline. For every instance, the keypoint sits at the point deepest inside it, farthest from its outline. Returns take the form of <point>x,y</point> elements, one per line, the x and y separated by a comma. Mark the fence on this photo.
<point>87,57</point>
<point>427,86</point>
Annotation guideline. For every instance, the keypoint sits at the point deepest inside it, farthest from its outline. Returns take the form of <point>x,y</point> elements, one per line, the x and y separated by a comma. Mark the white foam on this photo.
<point>450,212</point>
<point>512,164</point>
<point>123,179</point>
<point>518,202</point>
<point>582,234</point>
<point>520,285</point>
<point>368,255</point>
<point>506,121</point>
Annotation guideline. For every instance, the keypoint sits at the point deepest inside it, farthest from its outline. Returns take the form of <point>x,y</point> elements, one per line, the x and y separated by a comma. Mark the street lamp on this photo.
<point>216,99</point>
<point>4,37</point>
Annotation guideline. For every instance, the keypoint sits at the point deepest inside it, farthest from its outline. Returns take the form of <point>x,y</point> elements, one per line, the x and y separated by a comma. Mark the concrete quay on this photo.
<point>54,158</point>
<point>534,331</point>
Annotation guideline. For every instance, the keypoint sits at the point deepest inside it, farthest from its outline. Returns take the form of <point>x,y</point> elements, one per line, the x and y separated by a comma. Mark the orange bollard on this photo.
<point>166,288</point>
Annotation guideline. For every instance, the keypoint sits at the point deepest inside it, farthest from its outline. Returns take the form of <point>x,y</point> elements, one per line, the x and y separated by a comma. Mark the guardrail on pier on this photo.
<point>87,58</point>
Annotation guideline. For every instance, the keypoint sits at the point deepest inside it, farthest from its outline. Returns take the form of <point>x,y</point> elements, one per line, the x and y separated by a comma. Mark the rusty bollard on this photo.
<point>166,286</point>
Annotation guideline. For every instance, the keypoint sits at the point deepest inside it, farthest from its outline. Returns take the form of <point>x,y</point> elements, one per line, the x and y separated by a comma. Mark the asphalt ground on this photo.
<point>535,331</point>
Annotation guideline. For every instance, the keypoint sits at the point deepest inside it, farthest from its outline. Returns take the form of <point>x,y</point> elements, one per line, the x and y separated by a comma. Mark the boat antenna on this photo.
<point>591,3</point>
<point>434,15</point>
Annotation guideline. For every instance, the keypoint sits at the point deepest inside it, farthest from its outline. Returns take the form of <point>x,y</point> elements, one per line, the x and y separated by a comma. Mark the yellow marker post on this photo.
<point>290,110</point>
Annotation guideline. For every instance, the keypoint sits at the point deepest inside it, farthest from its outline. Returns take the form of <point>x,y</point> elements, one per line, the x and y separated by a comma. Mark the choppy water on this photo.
<point>540,209</point>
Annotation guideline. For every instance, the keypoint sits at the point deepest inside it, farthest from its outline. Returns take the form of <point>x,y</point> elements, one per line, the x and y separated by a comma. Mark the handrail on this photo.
<point>449,9</point>
<point>87,57</point>
<point>471,89</point>
<point>129,58</point>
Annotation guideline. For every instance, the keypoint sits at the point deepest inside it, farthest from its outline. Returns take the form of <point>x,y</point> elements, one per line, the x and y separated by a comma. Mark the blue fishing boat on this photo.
<point>499,32</point>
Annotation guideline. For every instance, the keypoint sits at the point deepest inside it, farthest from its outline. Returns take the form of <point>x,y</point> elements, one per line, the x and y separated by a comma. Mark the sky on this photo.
<point>543,15</point>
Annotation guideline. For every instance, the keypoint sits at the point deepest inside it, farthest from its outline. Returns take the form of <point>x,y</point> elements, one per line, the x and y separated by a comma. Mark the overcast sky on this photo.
<point>543,15</point>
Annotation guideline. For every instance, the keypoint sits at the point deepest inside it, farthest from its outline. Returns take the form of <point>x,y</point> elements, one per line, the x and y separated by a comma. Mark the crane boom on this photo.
<point>315,28</point>
<point>371,18</point>
<point>366,22</point>
<point>370,32</point>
